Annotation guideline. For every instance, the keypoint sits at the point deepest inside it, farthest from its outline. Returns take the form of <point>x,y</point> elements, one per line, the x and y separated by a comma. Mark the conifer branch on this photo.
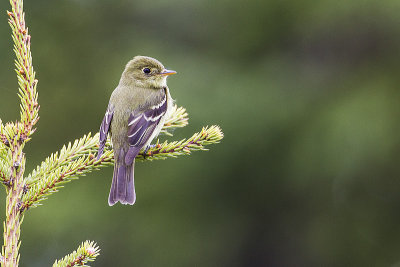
<point>15,189</point>
<point>88,144</point>
<point>14,135</point>
<point>83,147</point>
<point>198,141</point>
<point>178,118</point>
<point>62,167</point>
<point>78,159</point>
<point>24,69</point>
<point>86,252</point>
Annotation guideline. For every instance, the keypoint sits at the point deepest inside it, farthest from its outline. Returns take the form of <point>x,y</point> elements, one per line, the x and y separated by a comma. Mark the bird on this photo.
<point>135,115</point>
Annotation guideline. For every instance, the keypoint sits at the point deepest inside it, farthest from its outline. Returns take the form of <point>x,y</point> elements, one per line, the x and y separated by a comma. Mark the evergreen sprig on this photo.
<point>61,167</point>
<point>73,160</point>
<point>86,252</point>
<point>79,158</point>
<point>178,118</point>
<point>198,141</point>
<point>24,68</point>
<point>14,135</point>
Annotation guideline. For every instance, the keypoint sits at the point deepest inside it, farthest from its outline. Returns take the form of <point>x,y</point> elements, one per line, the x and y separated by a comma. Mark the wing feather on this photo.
<point>104,129</point>
<point>141,127</point>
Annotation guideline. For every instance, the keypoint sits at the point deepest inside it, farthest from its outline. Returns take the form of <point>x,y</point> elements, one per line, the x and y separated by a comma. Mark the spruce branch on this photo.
<point>86,252</point>
<point>198,141</point>
<point>13,136</point>
<point>80,148</point>
<point>24,69</point>
<point>88,144</point>
<point>13,201</point>
<point>78,159</point>
<point>62,167</point>
<point>178,118</point>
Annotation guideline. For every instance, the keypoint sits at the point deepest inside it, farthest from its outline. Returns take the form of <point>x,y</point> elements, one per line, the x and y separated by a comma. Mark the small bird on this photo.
<point>135,115</point>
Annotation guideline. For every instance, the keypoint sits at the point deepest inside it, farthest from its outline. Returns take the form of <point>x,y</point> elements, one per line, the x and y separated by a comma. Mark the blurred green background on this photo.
<point>306,92</point>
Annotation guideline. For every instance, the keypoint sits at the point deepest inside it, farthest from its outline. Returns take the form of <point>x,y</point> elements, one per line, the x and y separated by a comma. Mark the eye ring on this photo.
<point>146,70</point>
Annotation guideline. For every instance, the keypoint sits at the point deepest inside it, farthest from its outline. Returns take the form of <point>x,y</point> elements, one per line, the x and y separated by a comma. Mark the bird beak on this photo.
<point>167,72</point>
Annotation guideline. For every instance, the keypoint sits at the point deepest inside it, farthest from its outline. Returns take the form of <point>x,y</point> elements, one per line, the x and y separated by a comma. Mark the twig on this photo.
<point>85,253</point>
<point>24,68</point>
<point>78,159</point>
<point>15,135</point>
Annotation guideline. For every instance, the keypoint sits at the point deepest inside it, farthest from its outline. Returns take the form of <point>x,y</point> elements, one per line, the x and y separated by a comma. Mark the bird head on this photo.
<point>146,72</point>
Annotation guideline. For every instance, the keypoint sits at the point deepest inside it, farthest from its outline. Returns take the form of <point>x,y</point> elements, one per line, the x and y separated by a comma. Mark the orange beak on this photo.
<point>167,72</point>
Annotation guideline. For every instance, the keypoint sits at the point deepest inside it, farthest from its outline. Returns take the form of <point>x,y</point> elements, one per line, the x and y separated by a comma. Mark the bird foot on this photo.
<point>147,150</point>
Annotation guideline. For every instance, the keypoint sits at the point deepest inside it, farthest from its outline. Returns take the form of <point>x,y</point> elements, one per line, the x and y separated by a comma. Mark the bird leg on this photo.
<point>147,150</point>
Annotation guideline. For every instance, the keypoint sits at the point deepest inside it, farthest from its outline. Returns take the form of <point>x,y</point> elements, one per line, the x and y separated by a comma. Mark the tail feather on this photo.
<point>122,187</point>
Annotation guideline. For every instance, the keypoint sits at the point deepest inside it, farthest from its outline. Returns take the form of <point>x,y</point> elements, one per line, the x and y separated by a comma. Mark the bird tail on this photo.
<point>122,187</point>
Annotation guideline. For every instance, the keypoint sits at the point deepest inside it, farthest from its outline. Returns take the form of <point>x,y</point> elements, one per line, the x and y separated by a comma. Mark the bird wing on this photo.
<point>141,127</point>
<point>104,128</point>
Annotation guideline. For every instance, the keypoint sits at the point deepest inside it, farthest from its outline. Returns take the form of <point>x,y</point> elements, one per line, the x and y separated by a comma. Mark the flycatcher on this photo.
<point>135,115</point>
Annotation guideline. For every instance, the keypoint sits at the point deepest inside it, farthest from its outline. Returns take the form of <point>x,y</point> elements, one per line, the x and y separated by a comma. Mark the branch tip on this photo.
<point>86,252</point>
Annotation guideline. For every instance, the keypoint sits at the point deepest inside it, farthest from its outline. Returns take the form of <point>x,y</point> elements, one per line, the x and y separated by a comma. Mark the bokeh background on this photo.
<point>306,92</point>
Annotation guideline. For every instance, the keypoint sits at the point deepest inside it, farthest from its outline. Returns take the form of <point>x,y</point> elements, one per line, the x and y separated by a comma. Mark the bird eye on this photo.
<point>146,70</point>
